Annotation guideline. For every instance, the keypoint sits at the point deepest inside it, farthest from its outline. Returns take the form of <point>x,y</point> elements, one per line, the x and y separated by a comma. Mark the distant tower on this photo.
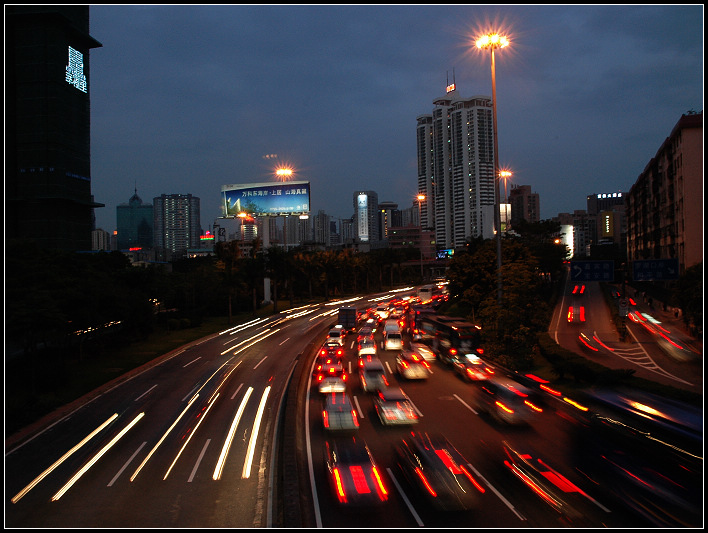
<point>366,216</point>
<point>135,224</point>
<point>176,222</point>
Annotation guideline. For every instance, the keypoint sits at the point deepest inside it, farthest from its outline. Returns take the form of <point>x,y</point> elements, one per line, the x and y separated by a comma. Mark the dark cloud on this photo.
<point>186,99</point>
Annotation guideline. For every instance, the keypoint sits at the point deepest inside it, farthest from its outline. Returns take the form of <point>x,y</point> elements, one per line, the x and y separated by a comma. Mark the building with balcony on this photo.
<point>665,204</point>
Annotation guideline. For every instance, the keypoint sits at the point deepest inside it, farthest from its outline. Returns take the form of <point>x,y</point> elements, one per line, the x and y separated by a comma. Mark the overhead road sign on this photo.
<point>592,271</point>
<point>655,269</point>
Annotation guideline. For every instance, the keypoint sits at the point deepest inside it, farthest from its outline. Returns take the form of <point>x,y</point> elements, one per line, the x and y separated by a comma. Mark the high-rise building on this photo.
<point>366,217</point>
<point>176,222</point>
<point>48,125</point>
<point>134,221</point>
<point>389,216</point>
<point>665,205</point>
<point>455,147</point>
<point>525,205</point>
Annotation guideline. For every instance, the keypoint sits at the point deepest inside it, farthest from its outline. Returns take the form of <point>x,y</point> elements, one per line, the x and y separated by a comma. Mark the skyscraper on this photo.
<point>48,125</point>
<point>134,221</point>
<point>366,217</point>
<point>455,147</point>
<point>176,222</point>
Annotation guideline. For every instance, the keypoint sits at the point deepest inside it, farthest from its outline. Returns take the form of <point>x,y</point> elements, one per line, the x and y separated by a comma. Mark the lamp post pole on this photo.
<point>493,41</point>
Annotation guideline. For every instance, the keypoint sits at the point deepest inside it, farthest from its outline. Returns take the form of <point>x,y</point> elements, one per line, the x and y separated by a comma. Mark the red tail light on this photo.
<point>426,484</point>
<point>381,488</point>
<point>339,486</point>
<point>325,419</point>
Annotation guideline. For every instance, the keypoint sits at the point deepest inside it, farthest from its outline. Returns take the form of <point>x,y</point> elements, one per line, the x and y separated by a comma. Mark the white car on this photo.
<point>366,347</point>
<point>395,408</point>
<point>336,334</point>
<point>393,341</point>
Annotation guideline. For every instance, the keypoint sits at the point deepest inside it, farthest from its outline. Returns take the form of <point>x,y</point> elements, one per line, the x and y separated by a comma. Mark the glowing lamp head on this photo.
<point>492,40</point>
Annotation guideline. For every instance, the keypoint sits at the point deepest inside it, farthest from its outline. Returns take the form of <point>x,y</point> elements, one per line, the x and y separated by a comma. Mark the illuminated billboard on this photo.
<point>287,198</point>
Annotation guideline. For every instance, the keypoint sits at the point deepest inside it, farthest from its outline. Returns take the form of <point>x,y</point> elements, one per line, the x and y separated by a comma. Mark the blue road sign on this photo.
<point>592,271</point>
<point>655,269</point>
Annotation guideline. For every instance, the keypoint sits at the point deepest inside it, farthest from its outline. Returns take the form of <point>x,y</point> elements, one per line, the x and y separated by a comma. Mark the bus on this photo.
<point>451,337</point>
<point>414,322</point>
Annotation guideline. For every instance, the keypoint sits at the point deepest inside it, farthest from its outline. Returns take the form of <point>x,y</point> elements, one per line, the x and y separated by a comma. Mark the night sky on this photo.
<point>185,99</point>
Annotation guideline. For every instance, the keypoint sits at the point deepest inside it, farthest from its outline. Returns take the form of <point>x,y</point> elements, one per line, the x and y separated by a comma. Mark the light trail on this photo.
<point>49,470</point>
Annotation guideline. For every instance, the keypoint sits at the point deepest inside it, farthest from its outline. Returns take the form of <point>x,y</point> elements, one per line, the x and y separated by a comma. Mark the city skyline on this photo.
<point>185,99</point>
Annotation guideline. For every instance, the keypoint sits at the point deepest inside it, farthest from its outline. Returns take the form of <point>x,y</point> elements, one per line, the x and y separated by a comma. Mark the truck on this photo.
<point>347,318</point>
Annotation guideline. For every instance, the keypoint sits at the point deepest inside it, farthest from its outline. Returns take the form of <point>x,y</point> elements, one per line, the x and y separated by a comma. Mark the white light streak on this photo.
<point>227,444</point>
<point>254,435</point>
<point>163,438</point>
<point>95,458</point>
<point>49,470</point>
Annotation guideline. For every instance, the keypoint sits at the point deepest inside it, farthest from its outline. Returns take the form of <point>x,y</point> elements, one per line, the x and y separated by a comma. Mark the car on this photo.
<point>393,340</point>
<point>353,474</point>
<point>393,407</point>
<point>365,332</point>
<point>331,350</point>
<point>552,487</point>
<point>330,377</point>
<point>578,290</point>
<point>410,365</point>
<point>576,314</point>
<point>431,464</point>
<point>338,414</point>
<point>337,334</point>
<point>372,374</point>
<point>366,347</point>
<point>472,368</point>
<point>423,351</point>
<point>508,401</point>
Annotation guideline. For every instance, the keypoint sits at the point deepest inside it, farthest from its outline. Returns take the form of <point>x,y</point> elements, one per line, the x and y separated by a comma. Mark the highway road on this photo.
<point>228,432</point>
<point>186,443</point>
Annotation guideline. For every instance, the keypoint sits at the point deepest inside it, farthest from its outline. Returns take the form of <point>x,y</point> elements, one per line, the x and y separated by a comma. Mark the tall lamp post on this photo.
<point>492,41</point>
<point>421,197</point>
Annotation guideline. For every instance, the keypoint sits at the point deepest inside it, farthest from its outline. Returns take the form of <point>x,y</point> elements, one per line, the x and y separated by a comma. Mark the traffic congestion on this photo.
<point>447,438</point>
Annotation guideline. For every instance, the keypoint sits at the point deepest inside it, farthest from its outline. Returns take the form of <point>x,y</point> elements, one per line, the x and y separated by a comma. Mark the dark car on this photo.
<point>508,401</point>
<point>552,487</point>
<point>440,473</point>
<point>331,349</point>
<point>338,414</point>
<point>353,475</point>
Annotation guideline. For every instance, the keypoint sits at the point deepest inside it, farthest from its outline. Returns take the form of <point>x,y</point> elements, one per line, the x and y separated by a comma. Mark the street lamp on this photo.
<point>492,41</point>
<point>421,197</point>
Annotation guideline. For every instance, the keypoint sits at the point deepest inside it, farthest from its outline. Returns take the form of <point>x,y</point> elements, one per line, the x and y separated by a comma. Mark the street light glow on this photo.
<point>284,173</point>
<point>492,40</point>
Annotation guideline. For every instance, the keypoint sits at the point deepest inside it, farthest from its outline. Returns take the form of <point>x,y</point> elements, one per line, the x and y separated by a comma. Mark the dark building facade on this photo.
<point>135,222</point>
<point>48,125</point>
